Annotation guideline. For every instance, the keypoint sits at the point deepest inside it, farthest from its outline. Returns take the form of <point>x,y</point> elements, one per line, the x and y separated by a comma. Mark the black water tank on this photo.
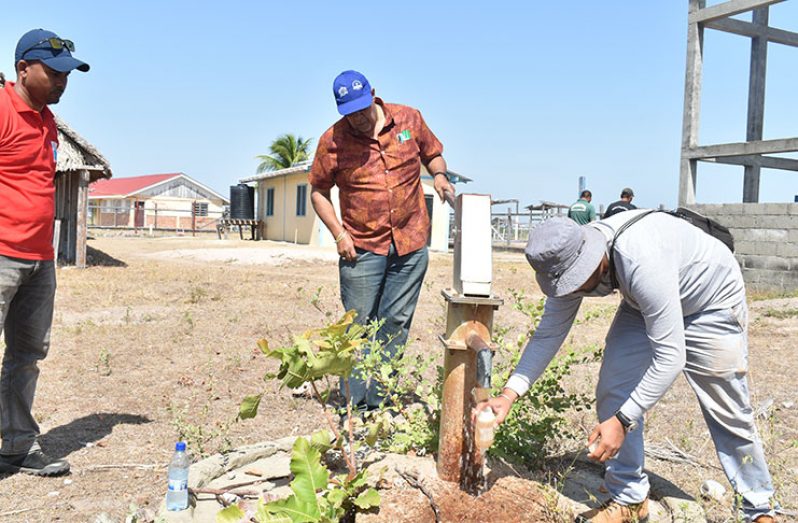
<point>242,202</point>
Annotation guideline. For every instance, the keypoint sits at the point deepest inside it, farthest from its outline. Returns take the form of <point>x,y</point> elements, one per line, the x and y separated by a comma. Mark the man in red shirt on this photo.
<point>28,155</point>
<point>374,155</point>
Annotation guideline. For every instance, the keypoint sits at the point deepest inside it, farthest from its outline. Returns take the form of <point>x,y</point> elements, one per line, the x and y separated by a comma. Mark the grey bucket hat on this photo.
<point>564,255</point>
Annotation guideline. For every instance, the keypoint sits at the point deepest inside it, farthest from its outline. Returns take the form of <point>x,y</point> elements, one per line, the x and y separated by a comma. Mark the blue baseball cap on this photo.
<point>352,92</point>
<point>48,48</point>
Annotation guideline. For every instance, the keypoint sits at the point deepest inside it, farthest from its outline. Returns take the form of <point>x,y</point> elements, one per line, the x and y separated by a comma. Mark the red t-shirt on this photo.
<point>28,148</point>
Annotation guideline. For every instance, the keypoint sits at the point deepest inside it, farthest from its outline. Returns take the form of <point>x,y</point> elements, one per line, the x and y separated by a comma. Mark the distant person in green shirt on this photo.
<point>582,210</point>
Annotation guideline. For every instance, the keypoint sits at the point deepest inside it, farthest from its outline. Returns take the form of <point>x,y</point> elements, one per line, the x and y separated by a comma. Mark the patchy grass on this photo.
<point>771,295</point>
<point>157,348</point>
<point>780,314</point>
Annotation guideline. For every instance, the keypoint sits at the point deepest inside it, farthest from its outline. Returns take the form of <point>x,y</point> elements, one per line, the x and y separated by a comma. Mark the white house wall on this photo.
<point>321,237</point>
<point>158,211</point>
<point>179,207</point>
<point>439,236</point>
<point>284,225</point>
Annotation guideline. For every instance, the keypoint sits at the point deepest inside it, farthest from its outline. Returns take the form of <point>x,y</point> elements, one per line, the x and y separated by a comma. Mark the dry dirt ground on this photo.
<point>157,340</point>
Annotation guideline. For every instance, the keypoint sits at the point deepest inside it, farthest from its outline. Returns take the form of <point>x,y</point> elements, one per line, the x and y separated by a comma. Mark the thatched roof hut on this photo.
<point>79,164</point>
<point>76,154</point>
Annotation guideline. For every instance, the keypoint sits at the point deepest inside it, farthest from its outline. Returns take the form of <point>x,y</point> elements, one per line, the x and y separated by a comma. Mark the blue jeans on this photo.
<point>716,368</point>
<point>387,288</point>
<point>27,293</point>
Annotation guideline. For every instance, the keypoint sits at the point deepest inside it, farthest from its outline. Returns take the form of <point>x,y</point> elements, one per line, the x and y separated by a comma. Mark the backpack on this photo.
<point>706,224</point>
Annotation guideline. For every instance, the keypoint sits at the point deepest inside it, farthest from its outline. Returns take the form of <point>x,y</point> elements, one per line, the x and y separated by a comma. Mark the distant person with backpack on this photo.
<point>582,210</point>
<point>624,204</point>
<point>683,311</point>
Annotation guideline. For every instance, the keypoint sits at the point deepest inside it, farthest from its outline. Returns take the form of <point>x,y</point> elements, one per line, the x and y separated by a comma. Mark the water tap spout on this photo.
<point>484,359</point>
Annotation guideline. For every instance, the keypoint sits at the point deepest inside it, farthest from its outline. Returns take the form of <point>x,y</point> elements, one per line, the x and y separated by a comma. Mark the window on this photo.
<point>115,205</point>
<point>200,208</point>
<point>301,199</point>
<point>270,202</point>
<point>428,200</point>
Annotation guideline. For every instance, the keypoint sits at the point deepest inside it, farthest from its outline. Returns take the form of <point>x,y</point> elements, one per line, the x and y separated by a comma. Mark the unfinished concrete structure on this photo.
<point>766,234</point>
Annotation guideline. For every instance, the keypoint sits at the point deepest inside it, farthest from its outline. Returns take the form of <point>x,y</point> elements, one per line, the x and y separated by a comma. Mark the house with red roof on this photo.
<point>172,201</point>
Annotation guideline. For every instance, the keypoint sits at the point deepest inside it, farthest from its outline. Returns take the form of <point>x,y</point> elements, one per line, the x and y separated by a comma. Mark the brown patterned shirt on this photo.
<point>379,181</point>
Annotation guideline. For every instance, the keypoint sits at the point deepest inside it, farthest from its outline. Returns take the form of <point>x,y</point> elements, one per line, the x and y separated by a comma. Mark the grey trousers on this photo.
<point>716,369</point>
<point>27,293</point>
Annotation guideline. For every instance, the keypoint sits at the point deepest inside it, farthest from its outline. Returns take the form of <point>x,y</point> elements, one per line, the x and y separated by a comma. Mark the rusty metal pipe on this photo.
<point>458,459</point>
<point>475,342</point>
<point>484,359</point>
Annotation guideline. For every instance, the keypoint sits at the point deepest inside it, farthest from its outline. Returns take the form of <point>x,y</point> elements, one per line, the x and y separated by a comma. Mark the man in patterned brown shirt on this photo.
<point>374,155</point>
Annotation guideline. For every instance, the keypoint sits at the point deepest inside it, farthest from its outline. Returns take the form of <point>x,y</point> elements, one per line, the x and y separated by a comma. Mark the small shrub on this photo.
<point>539,417</point>
<point>315,356</point>
<point>409,418</point>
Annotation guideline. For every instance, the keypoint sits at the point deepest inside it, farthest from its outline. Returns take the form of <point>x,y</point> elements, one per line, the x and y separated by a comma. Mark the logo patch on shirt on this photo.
<point>404,136</point>
<point>54,146</point>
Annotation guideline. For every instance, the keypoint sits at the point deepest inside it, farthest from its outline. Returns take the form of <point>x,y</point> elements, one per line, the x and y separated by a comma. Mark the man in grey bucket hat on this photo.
<point>683,310</point>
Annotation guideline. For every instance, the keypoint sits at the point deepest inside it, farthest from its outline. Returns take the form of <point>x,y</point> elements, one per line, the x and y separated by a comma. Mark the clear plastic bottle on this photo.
<point>177,493</point>
<point>593,447</point>
<point>485,430</point>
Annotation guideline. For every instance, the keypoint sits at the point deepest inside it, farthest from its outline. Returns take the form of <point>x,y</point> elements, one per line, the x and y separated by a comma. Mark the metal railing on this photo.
<point>153,219</point>
<point>511,227</point>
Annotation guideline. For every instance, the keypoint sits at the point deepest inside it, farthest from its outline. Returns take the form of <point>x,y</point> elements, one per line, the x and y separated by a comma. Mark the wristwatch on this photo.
<point>441,173</point>
<point>628,424</point>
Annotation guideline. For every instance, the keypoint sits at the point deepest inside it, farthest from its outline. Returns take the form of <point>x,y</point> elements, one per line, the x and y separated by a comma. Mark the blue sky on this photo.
<point>525,96</point>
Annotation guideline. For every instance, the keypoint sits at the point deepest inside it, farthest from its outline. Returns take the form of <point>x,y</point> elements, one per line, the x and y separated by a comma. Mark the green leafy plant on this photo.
<point>539,417</point>
<point>316,355</point>
<point>313,357</point>
<point>408,419</point>
<point>316,497</point>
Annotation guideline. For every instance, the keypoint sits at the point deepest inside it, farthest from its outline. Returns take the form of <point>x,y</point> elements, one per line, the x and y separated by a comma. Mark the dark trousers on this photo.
<point>27,294</point>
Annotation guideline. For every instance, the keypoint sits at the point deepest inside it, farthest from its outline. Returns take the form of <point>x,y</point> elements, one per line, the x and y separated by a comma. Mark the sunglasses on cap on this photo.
<point>55,43</point>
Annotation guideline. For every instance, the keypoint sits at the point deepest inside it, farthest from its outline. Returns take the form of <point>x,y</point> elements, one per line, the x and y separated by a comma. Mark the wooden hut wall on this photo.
<point>66,210</point>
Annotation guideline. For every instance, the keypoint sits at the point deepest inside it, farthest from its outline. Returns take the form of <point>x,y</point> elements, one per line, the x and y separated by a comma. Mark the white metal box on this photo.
<point>473,264</point>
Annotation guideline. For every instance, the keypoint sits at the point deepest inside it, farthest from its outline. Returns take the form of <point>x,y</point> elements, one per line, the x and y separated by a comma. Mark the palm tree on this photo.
<point>286,150</point>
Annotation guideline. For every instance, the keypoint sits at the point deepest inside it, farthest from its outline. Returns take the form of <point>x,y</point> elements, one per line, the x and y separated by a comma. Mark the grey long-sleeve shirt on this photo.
<point>667,269</point>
